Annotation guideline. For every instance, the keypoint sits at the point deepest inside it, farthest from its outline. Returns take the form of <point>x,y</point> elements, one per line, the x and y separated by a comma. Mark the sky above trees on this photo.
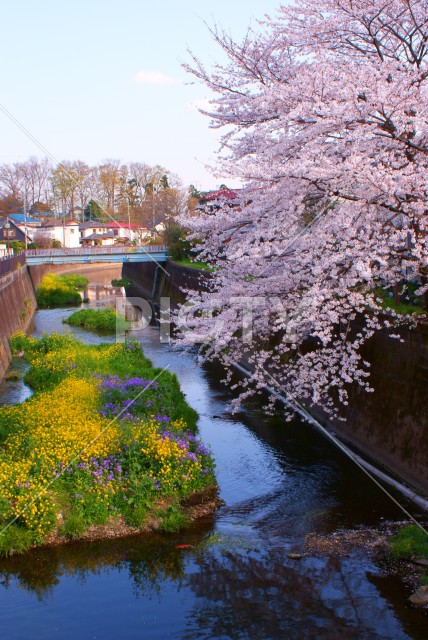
<point>103,79</point>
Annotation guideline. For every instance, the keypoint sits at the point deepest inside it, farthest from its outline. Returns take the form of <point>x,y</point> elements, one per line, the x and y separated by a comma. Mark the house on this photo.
<point>88,228</point>
<point>124,231</point>
<point>95,234</point>
<point>98,240</point>
<point>213,200</point>
<point>26,223</point>
<point>67,233</point>
<point>10,231</point>
<point>99,233</point>
<point>41,211</point>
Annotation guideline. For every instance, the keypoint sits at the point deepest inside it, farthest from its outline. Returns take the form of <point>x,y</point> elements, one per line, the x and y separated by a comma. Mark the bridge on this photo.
<point>87,255</point>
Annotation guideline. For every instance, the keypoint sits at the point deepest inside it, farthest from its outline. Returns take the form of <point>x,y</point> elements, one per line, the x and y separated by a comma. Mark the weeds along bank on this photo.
<point>107,441</point>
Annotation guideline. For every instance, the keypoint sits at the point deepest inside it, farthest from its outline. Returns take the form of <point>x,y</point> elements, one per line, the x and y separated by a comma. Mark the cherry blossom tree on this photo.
<point>324,120</point>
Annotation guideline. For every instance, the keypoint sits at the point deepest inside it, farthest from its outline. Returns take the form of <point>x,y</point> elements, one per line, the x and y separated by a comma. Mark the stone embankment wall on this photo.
<point>390,426</point>
<point>17,305</point>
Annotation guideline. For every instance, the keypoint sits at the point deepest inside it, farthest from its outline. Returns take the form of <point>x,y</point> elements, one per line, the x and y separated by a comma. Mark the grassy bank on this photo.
<point>106,440</point>
<point>411,543</point>
<point>60,291</point>
<point>186,262</point>
<point>102,320</point>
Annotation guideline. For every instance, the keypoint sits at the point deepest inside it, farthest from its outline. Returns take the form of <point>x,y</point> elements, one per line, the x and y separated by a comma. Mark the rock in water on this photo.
<point>12,375</point>
<point>420,597</point>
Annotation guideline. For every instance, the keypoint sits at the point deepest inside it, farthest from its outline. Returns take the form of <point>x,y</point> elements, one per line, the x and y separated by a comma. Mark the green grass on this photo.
<point>410,541</point>
<point>102,320</point>
<point>15,540</point>
<point>402,308</point>
<point>121,282</point>
<point>186,262</point>
<point>60,291</point>
<point>74,527</point>
<point>173,520</point>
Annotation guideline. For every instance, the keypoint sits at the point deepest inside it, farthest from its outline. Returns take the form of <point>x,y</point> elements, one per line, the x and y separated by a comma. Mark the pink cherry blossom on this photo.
<point>324,119</point>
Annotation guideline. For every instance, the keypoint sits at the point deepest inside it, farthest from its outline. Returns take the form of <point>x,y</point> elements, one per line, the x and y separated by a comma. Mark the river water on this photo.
<point>279,481</point>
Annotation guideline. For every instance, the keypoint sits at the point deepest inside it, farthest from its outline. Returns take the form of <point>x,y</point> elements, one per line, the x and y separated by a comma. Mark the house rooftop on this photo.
<point>98,236</point>
<point>19,218</point>
<point>92,224</point>
<point>60,223</point>
<point>122,225</point>
<point>221,194</point>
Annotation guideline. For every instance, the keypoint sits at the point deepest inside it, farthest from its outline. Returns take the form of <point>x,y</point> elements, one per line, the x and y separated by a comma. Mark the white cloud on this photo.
<point>155,78</point>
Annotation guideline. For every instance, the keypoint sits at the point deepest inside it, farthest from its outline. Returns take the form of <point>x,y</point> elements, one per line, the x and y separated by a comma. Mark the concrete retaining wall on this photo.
<point>17,305</point>
<point>391,424</point>
<point>153,282</point>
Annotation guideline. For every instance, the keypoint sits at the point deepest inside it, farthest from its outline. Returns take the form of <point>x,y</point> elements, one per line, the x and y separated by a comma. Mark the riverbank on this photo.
<point>106,446</point>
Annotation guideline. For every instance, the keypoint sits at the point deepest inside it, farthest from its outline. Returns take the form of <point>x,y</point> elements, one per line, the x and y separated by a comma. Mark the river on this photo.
<point>279,481</point>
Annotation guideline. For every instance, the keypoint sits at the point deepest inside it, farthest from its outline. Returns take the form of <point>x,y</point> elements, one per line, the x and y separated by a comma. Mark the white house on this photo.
<point>67,233</point>
<point>98,240</point>
<point>99,233</point>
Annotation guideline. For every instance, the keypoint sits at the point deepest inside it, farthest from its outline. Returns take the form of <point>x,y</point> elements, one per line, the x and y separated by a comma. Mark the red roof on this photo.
<point>122,225</point>
<point>222,194</point>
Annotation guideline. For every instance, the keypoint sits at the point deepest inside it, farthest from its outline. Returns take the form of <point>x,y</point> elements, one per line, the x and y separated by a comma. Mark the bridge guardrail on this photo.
<point>10,263</point>
<point>84,251</point>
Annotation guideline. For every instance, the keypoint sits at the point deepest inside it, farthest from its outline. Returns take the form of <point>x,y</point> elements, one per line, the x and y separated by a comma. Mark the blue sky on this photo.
<point>100,79</point>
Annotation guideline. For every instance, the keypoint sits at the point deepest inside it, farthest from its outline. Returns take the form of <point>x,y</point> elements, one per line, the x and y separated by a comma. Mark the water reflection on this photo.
<point>228,587</point>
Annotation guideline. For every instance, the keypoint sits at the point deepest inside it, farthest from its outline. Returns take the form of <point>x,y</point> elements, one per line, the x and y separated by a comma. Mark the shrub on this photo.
<point>121,282</point>
<point>60,291</point>
<point>103,320</point>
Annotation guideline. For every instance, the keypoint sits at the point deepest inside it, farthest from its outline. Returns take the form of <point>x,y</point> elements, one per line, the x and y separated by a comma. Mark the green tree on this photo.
<point>92,210</point>
<point>176,239</point>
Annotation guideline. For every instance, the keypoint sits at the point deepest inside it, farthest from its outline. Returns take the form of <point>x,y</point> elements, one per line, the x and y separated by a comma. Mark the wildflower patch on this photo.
<point>104,438</point>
